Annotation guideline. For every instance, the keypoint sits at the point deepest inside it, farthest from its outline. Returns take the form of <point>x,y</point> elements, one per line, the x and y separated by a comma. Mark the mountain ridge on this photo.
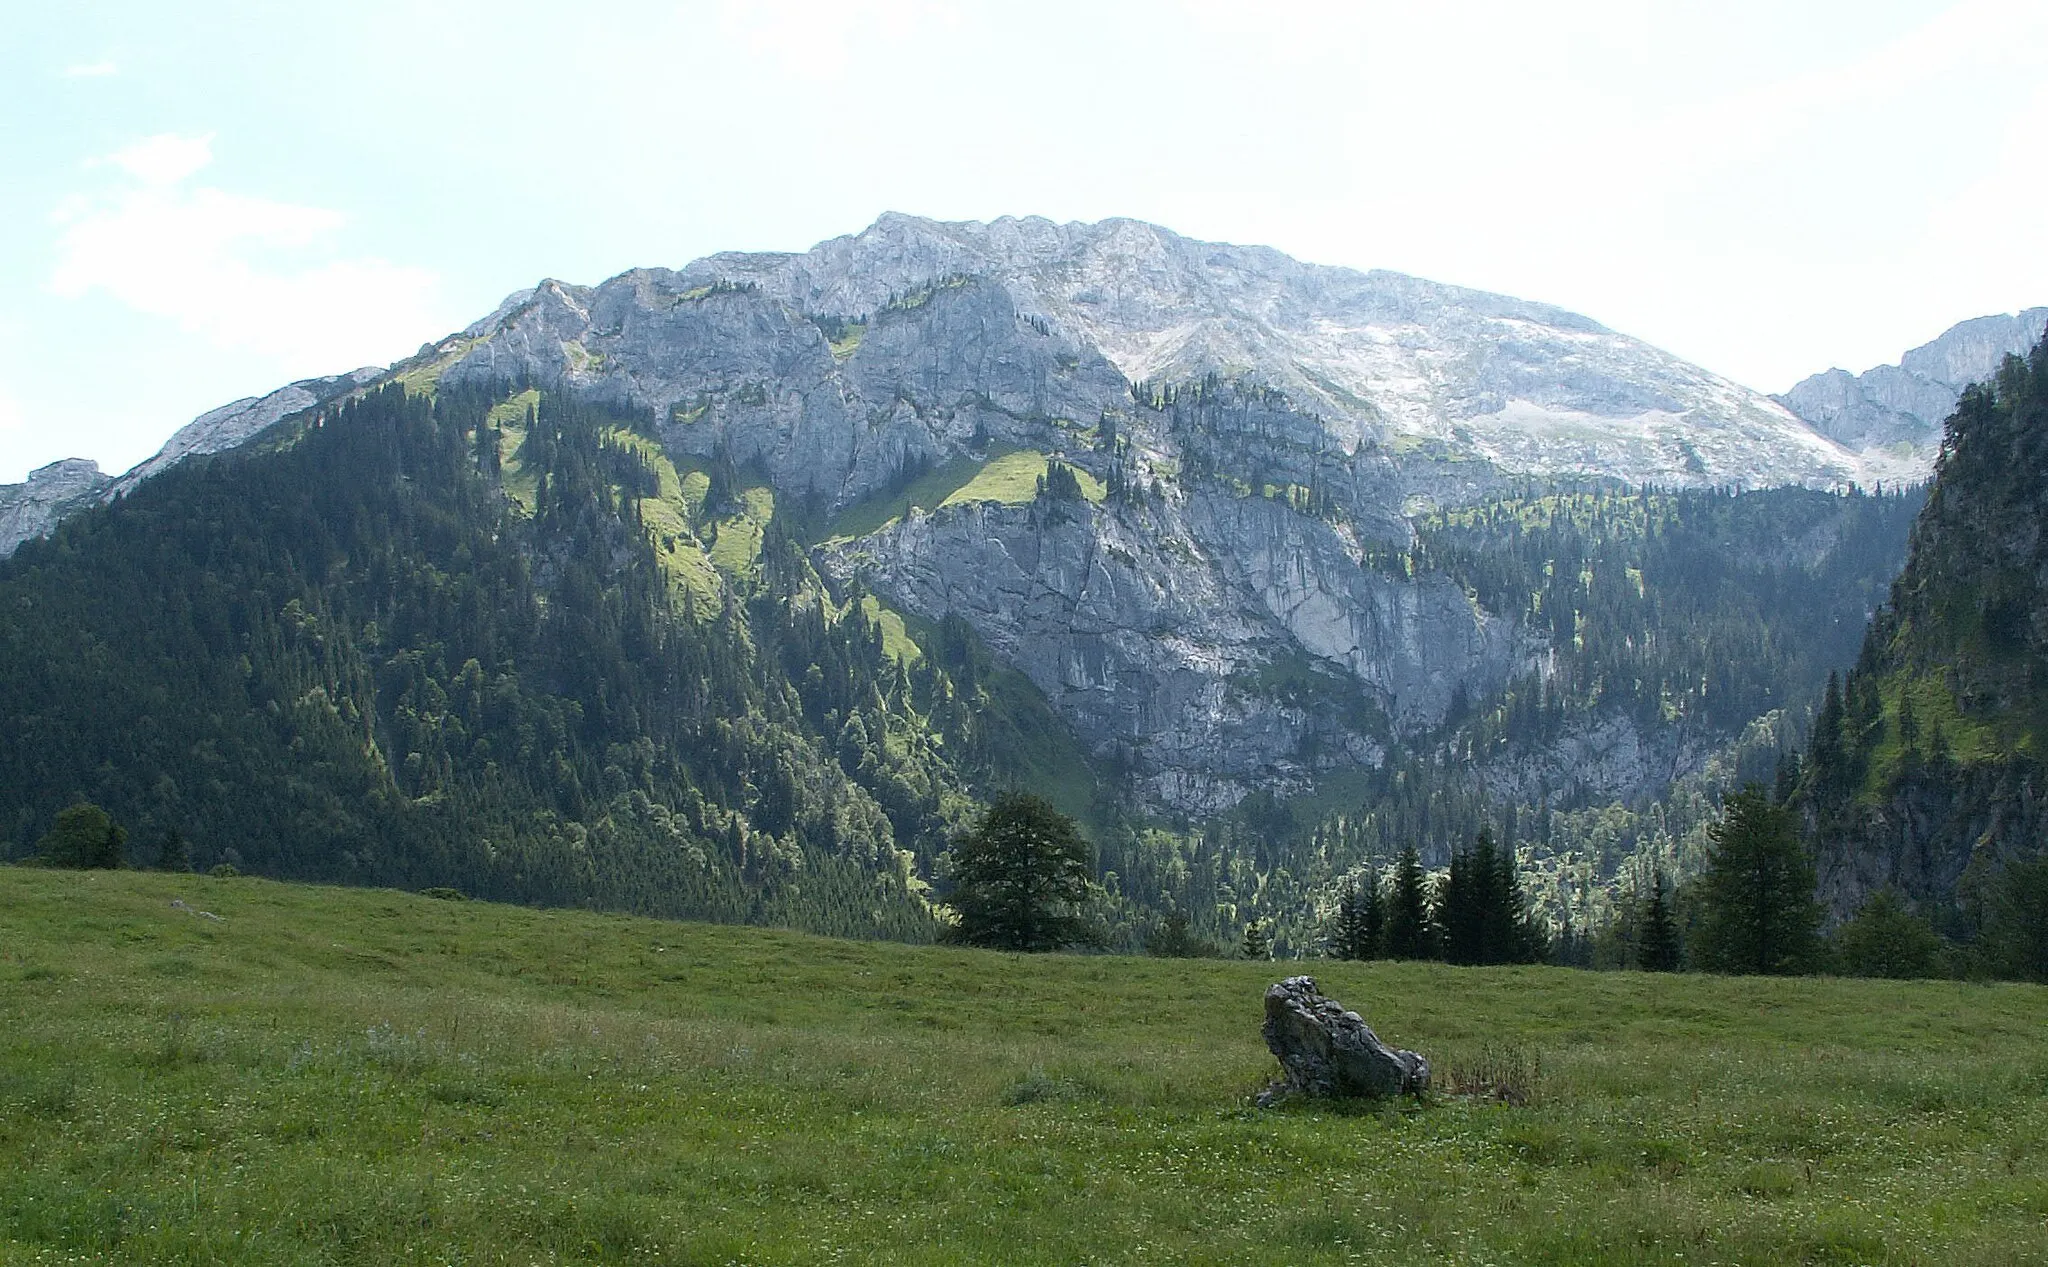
<point>1421,368</point>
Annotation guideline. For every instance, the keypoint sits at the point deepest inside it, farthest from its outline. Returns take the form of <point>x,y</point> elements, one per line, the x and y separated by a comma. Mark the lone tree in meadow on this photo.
<point>84,837</point>
<point>1756,903</point>
<point>1021,879</point>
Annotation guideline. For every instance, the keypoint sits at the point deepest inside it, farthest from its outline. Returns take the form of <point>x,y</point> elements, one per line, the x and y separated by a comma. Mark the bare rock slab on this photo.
<point>1328,1051</point>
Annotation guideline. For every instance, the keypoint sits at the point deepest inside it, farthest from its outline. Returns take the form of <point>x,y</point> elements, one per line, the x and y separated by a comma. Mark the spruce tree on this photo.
<point>1355,933</point>
<point>1481,913</point>
<point>2018,928</point>
<point>1257,943</point>
<point>173,854</point>
<point>1657,948</point>
<point>1172,938</point>
<point>1757,910</point>
<point>1408,928</point>
<point>1374,942</point>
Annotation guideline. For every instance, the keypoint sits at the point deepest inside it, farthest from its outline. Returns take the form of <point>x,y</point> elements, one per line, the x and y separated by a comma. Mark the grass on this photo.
<point>668,515</point>
<point>424,377</point>
<point>1009,476</point>
<point>896,640</point>
<point>1013,480</point>
<point>360,1076</point>
<point>736,547</point>
<point>927,492</point>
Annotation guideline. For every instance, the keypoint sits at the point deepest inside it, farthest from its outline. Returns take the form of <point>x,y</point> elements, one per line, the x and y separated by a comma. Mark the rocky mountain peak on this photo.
<point>1892,415</point>
<point>1380,358</point>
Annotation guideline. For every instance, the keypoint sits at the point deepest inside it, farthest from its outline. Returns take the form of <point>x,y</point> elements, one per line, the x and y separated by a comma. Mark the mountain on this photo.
<point>1892,415</point>
<point>1382,361</point>
<point>1240,385</point>
<point>783,563</point>
<point>1926,768</point>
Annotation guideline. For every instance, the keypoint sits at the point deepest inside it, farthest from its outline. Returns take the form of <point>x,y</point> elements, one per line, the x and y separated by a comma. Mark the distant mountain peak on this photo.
<point>1382,358</point>
<point>1892,415</point>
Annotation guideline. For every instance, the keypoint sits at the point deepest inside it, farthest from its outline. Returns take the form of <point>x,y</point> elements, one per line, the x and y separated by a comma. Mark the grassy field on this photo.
<point>353,1076</point>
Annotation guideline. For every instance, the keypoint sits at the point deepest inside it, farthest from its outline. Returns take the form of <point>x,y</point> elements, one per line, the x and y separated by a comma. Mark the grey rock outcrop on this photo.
<point>1892,415</point>
<point>1327,1051</point>
<point>52,492</point>
<point>1528,387</point>
<point>235,424</point>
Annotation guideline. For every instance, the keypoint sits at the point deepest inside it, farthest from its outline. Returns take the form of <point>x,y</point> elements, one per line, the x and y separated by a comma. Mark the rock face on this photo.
<point>1377,357</point>
<point>1326,1051</point>
<point>1892,415</point>
<point>29,510</point>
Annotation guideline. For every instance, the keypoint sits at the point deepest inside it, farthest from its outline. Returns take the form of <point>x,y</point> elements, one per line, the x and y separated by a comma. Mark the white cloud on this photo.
<point>165,159</point>
<point>245,274</point>
<point>91,70</point>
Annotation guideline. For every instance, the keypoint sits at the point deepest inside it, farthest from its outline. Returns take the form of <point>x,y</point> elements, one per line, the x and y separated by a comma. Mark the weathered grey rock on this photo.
<point>1892,415</point>
<point>1376,355</point>
<point>1327,1051</point>
<point>52,492</point>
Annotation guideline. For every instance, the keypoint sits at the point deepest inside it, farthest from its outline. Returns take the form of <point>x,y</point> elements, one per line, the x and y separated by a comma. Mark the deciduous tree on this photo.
<point>1021,878</point>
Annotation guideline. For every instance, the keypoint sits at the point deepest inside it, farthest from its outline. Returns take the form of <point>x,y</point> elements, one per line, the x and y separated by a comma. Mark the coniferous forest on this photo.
<point>353,656</point>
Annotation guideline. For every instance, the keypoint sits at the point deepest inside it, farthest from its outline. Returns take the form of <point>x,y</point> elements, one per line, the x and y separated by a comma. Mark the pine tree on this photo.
<point>1258,944</point>
<point>1756,903</point>
<point>1657,948</point>
<point>1408,929</point>
<point>1355,933</point>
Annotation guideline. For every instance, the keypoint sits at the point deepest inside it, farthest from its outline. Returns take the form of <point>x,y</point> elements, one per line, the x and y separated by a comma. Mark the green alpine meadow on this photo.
<point>234,1070</point>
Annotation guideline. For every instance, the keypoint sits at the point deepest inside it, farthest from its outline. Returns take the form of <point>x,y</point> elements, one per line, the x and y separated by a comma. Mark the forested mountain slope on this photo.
<point>1926,769</point>
<point>490,640</point>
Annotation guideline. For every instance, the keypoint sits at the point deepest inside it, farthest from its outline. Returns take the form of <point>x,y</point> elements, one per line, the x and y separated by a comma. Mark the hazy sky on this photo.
<point>206,200</point>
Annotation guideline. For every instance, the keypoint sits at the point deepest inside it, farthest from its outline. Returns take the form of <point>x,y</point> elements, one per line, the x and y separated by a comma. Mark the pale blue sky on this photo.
<point>205,200</point>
